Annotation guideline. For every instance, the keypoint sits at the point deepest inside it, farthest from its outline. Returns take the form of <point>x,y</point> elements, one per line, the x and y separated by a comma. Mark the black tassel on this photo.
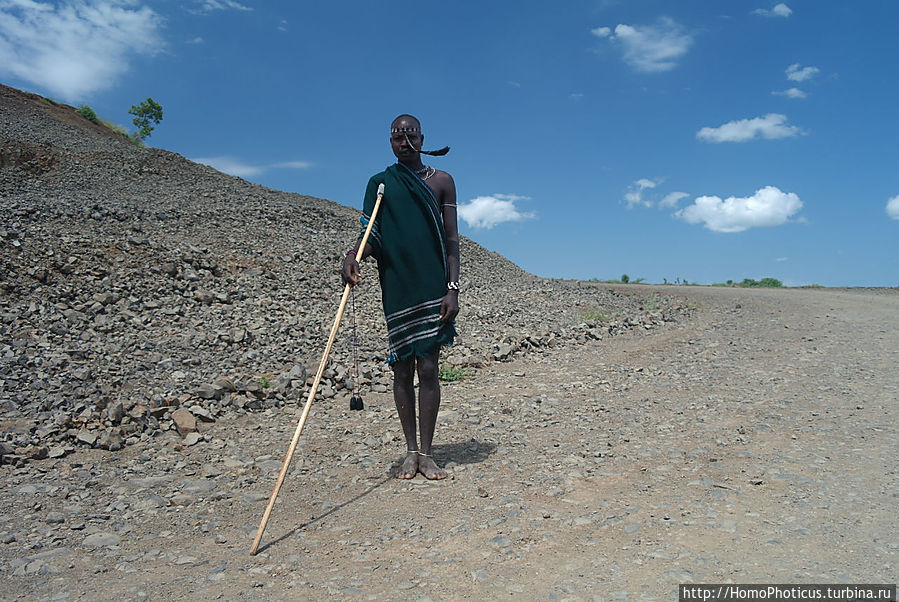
<point>436,153</point>
<point>356,402</point>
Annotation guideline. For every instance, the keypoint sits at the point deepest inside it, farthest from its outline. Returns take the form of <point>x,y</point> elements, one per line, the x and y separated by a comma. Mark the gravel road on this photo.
<point>752,441</point>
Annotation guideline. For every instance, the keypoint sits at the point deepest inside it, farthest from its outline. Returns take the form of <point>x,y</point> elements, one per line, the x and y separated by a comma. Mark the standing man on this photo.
<point>415,241</point>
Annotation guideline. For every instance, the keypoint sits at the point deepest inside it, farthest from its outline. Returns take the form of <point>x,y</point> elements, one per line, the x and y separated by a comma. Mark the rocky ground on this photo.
<point>141,293</point>
<point>753,443</point>
<point>158,323</point>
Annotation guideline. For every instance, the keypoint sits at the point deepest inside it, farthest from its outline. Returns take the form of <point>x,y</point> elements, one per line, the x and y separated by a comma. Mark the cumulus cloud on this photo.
<point>769,206</point>
<point>671,199</point>
<point>489,211</point>
<point>73,49</point>
<point>779,10</point>
<point>634,196</point>
<point>893,207</point>
<point>649,48</point>
<point>791,93</point>
<point>236,167</point>
<point>772,126</point>
<point>797,73</point>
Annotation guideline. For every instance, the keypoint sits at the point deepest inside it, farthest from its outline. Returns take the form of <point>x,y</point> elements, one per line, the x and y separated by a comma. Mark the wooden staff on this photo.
<point>314,388</point>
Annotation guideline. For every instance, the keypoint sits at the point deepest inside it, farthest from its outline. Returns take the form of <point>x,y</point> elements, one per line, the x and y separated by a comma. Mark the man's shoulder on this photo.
<point>442,179</point>
<point>379,177</point>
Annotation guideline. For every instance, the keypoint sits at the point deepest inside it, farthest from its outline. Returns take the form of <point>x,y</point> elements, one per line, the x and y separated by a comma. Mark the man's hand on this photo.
<point>450,306</point>
<point>350,272</point>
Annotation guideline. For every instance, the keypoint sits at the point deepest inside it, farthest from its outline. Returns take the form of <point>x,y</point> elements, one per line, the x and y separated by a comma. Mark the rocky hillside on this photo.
<point>134,283</point>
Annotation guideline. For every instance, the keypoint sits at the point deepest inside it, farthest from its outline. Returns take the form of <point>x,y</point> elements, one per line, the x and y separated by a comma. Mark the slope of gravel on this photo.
<point>135,283</point>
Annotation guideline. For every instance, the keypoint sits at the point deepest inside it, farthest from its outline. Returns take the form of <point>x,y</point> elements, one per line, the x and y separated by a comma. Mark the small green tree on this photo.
<point>146,113</point>
<point>88,113</point>
<point>625,279</point>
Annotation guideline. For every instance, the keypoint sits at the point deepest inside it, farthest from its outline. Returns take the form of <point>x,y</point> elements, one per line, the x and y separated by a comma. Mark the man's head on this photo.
<point>406,137</point>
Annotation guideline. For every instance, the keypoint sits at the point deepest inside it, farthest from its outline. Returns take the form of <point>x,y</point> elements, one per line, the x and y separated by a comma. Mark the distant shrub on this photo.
<point>625,279</point>
<point>764,282</point>
<point>88,113</point>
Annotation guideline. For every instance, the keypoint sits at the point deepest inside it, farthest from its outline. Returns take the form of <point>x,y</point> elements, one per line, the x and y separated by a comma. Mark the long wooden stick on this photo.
<point>314,388</point>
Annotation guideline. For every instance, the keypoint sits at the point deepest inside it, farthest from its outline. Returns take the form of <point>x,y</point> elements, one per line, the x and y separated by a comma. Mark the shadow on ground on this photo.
<point>467,452</point>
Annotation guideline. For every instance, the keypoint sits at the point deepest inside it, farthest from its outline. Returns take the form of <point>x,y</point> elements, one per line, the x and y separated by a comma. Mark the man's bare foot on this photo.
<point>429,468</point>
<point>410,466</point>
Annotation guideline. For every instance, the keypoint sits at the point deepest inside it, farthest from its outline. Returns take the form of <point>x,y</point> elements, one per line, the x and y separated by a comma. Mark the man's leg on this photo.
<point>428,405</point>
<point>404,397</point>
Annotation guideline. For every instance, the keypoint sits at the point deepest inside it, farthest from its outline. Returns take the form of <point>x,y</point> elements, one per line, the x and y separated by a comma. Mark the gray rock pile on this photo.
<point>143,293</point>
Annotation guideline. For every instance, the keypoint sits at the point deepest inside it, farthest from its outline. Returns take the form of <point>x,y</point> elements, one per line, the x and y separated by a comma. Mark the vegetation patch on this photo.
<point>596,315</point>
<point>453,374</point>
<point>764,282</point>
<point>88,113</point>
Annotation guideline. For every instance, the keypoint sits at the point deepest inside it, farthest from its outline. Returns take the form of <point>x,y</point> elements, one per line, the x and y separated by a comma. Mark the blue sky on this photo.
<point>701,141</point>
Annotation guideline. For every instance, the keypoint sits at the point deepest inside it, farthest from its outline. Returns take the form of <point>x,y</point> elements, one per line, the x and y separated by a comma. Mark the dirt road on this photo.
<point>755,442</point>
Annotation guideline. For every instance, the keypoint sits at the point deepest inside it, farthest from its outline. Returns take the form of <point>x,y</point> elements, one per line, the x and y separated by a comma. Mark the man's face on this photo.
<point>406,145</point>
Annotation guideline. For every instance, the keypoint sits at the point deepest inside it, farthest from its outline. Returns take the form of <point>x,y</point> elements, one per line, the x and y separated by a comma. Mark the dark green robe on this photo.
<point>409,242</point>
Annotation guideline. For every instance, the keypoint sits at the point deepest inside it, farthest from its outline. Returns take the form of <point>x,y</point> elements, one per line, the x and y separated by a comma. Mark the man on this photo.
<point>415,241</point>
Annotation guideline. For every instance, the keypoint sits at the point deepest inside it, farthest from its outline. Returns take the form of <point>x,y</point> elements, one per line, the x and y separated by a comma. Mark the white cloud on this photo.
<point>196,40</point>
<point>769,206</point>
<point>231,166</point>
<point>671,199</point>
<point>236,167</point>
<point>893,207</point>
<point>791,93</point>
<point>772,126</point>
<point>73,49</point>
<point>797,73</point>
<point>780,10</point>
<point>649,48</point>
<point>293,165</point>
<point>781,259</point>
<point>207,6</point>
<point>282,26</point>
<point>634,195</point>
<point>489,211</point>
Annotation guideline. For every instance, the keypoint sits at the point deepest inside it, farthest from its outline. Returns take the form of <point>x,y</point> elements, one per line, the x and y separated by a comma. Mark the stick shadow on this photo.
<point>325,515</point>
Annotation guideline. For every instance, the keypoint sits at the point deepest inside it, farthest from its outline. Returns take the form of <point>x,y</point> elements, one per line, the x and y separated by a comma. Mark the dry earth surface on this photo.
<point>754,442</point>
<point>158,324</point>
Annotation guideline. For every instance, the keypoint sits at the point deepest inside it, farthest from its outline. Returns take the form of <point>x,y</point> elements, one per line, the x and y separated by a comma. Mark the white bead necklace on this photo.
<point>425,172</point>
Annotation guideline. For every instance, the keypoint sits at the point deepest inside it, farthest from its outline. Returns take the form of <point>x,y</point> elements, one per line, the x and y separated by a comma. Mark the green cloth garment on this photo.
<point>409,242</point>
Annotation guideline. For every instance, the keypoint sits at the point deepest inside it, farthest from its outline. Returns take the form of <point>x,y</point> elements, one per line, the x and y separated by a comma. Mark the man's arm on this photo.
<point>447,198</point>
<point>350,272</point>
